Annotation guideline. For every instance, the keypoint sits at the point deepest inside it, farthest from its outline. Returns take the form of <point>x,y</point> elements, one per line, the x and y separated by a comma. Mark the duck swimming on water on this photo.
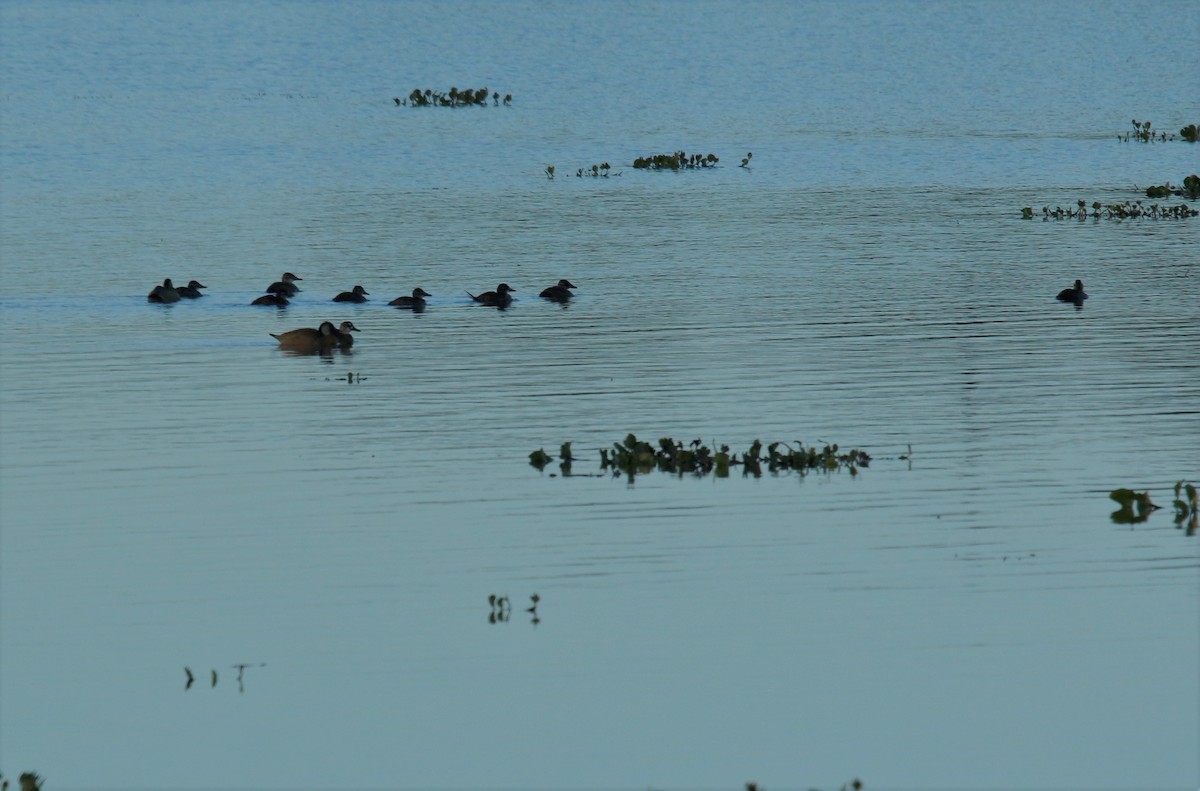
<point>358,294</point>
<point>498,299</point>
<point>191,290</point>
<point>286,285</point>
<point>274,300</point>
<point>165,293</point>
<point>560,292</point>
<point>345,339</point>
<point>416,301</point>
<point>1075,294</point>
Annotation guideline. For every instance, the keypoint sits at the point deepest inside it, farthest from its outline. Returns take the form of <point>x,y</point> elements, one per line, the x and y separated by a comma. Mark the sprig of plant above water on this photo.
<point>633,457</point>
<point>1190,133</point>
<point>452,98</point>
<point>1187,509</point>
<point>680,160</point>
<point>502,609</point>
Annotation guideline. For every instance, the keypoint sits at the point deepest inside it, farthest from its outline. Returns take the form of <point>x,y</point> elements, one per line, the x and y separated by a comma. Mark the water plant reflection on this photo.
<point>240,668</point>
<point>1130,500</point>
<point>501,611</point>
<point>1186,509</point>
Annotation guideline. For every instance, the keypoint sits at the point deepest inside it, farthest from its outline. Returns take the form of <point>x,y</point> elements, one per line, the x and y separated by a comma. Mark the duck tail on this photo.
<point>472,296</point>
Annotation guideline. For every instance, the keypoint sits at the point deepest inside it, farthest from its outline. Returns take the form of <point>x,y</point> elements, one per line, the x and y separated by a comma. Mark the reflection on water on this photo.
<point>214,676</point>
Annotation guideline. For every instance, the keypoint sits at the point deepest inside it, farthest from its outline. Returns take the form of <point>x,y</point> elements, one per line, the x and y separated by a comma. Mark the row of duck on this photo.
<point>280,293</point>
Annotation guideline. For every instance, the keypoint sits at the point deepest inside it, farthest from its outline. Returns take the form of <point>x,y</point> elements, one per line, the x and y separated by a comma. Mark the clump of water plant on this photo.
<point>680,160</point>
<point>1136,507</point>
<point>1187,506</point>
<point>1190,189</point>
<point>1143,133</point>
<point>633,456</point>
<point>452,98</point>
<point>1129,210</point>
<point>550,171</point>
<point>603,170</point>
<point>29,781</point>
<point>1190,133</point>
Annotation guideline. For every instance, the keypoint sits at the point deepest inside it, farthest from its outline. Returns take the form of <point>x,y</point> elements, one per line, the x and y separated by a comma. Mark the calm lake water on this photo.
<point>176,491</point>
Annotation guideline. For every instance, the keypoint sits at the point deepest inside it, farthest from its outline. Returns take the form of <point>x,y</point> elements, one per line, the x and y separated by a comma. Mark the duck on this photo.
<point>191,290</point>
<point>165,293</point>
<point>499,298</point>
<point>560,292</point>
<point>286,285</point>
<point>1075,294</point>
<point>327,331</point>
<point>417,300</point>
<point>344,338</point>
<point>274,300</point>
<point>357,295</point>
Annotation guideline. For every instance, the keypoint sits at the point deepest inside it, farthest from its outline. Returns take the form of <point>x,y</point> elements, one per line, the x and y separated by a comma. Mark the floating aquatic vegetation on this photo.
<point>633,457</point>
<point>852,785</point>
<point>240,668</point>
<point>29,781</point>
<point>1135,506</point>
<point>1129,210</point>
<point>550,171</point>
<point>1143,133</point>
<point>603,170</point>
<point>502,609</point>
<point>1187,508</point>
<point>453,98</point>
<point>1190,189</point>
<point>680,160</point>
<point>1190,133</point>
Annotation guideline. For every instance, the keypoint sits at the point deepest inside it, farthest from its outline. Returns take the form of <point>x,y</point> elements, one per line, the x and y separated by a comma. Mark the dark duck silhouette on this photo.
<point>344,338</point>
<point>191,290</point>
<point>285,285</point>
<point>358,294</point>
<point>498,299</point>
<point>274,300</point>
<point>165,293</point>
<point>1075,294</point>
<point>417,300</point>
<point>560,292</point>
<point>322,340</point>
<point>308,338</point>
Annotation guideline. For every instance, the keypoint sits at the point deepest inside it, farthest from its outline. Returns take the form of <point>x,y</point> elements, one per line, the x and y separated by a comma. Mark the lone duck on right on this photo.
<point>1075,294</point>
<point>560,292</point>
<point>497,299</point>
